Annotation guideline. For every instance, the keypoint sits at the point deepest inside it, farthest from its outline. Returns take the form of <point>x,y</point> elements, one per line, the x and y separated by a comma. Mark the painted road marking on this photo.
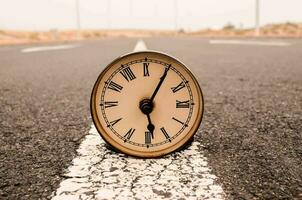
<point>250,42</point>
<point>99,173</point>
<point>140,46</point>
<point>48,48</point>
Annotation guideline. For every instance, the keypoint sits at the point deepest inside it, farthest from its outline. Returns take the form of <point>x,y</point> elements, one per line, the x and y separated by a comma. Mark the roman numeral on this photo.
<point>179,121</point>
<point>114,86</point>
<point>147,138</point>
<point>109,104</point>
<point>182,104</point>
<point>163,130</point>
<point>146,69</point>
<point>128,135</point>
<point>128,74</point>
<point>178,87</point>
<point>112,123</point>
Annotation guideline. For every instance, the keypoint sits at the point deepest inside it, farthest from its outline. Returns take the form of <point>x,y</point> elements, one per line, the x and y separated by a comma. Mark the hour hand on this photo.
<point>146,107</point>
<point>150,126</point>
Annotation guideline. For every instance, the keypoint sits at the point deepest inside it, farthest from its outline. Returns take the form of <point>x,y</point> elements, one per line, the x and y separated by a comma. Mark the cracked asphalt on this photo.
<point>251,131</point>
<point>99,173</point>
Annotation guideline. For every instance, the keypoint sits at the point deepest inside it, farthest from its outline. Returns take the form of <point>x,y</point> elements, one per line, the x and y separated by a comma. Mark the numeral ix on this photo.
<point>146,69</point>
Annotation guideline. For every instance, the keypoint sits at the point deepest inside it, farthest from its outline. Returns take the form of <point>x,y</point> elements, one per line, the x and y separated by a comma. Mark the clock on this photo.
<point>147,104</point>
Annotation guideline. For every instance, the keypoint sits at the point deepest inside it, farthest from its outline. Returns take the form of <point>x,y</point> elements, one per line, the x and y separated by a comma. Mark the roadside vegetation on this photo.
<point>284,30</point>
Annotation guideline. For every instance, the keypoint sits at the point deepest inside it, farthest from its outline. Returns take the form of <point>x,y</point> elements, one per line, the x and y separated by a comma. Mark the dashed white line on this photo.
<point>250,42</point>
<point>140,46</point>
<point>100,173</point>
<point>47,48</point>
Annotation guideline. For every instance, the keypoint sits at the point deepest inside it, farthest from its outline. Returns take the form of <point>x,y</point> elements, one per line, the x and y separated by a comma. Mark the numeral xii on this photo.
<point>182,104</point>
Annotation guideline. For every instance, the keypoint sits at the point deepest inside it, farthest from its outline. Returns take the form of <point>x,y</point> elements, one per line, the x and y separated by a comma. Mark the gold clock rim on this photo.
<point>131,152</point>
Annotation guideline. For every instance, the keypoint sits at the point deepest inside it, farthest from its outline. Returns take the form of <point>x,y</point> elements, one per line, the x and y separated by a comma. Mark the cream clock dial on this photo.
<point>146,104</point>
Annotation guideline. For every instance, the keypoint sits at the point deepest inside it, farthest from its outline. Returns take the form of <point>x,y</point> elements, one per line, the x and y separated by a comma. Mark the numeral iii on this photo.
<point>147,137</point>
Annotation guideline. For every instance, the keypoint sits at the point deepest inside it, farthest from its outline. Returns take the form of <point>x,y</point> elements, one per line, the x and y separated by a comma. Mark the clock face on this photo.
<point>146,104</point>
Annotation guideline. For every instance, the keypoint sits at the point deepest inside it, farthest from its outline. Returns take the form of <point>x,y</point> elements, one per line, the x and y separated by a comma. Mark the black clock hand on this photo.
<point>162,78</point>
<point>150,126</point>
<point>146,107</point>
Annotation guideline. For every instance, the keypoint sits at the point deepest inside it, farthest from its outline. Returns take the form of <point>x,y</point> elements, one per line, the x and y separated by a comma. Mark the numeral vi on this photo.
<point>109,104</point>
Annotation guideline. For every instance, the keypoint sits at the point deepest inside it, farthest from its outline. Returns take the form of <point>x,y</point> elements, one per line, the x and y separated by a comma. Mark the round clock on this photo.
<point>146,104</point>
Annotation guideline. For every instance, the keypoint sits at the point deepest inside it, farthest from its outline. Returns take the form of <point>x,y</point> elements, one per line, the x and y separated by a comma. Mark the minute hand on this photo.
<point>162,78</point>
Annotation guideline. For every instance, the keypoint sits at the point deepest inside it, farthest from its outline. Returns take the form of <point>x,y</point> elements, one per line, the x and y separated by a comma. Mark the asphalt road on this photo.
<point>251,131</point>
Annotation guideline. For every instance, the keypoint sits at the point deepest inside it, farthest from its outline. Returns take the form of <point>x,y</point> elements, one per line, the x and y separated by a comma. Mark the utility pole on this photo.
<point>257,18</point>
<point>175,14</point>
<point>78,18</point>
<point>108,14</point>
<point>131,12</point>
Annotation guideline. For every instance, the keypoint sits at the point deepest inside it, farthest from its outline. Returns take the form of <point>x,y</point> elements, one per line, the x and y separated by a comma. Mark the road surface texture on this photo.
<point>250,136</point>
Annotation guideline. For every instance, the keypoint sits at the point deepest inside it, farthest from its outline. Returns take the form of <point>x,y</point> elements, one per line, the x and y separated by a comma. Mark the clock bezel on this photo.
<point>116,145</point>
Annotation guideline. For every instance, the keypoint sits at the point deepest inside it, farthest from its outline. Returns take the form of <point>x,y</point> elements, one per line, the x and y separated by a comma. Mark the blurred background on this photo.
<point>94,18</point>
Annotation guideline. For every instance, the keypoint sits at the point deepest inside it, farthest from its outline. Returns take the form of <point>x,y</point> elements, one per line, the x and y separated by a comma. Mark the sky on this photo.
<point>143,14</point>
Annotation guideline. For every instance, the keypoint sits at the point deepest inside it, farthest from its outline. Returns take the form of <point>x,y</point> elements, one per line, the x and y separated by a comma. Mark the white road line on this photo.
<point>48,48</point>
<point>250,42</point>
<point>99,173</point>
<point>140,46</point>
